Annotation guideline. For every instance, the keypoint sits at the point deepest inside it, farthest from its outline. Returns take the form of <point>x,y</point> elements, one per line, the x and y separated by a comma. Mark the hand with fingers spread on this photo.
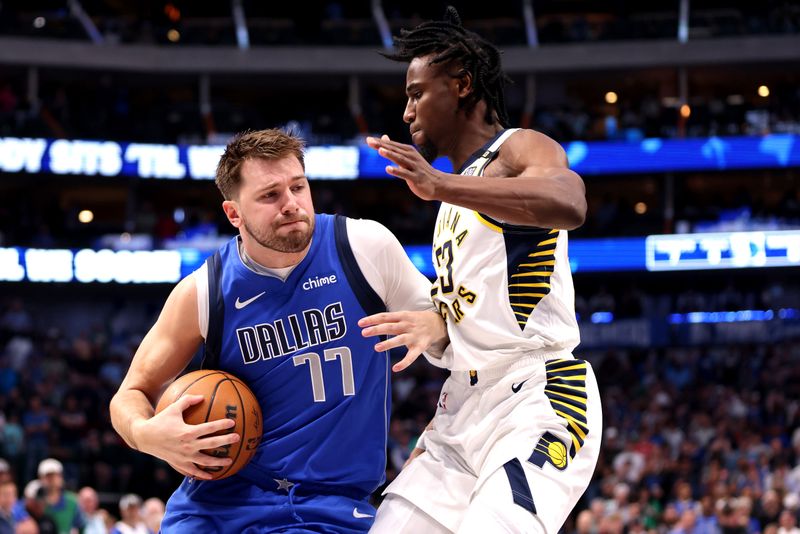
<point>167,436</point>
<point>420,176</point>
<point>417,330</point>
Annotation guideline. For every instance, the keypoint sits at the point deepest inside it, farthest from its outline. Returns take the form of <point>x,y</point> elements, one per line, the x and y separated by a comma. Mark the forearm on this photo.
<point>546,201</point>
<point>128,407</point>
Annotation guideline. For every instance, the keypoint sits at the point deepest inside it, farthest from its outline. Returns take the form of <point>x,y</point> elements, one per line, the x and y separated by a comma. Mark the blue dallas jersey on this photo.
<point>324,391</point>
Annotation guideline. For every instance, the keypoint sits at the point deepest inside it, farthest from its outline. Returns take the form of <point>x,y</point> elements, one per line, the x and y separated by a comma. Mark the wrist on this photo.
<point>438,184</point>
<point>134,437</point>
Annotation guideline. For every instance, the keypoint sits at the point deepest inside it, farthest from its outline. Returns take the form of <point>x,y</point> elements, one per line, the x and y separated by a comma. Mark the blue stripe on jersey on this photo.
<point>530,264</point>
<point>519,485</point>
<point>216,313</point>
<point>323,390</point>
<point>369,300</point>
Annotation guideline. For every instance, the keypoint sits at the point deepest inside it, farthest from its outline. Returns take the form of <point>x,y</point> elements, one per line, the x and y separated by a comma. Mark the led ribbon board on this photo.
<point>198,162</point>
<point>724,250</point>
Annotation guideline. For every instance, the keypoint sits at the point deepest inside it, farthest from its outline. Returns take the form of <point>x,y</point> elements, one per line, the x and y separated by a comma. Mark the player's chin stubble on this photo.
<point>295,241</point>
<point>428,151</point>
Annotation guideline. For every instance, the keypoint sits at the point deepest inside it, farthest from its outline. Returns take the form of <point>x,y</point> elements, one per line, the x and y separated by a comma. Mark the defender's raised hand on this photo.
<point>410,166</point>
<point>417,330</point>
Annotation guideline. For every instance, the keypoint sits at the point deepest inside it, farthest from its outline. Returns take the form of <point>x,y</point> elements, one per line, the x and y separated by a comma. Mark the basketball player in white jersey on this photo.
<point>516,434</point>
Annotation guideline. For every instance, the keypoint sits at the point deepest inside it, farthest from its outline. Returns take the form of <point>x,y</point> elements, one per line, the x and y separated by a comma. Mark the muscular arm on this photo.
<point>165,351</point>
<point>528,184</point>
<point>411,317</point>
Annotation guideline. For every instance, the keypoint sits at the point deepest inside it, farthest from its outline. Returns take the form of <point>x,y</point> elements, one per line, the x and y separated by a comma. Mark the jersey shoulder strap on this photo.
<point>369,300</point>
<point>216,313</point>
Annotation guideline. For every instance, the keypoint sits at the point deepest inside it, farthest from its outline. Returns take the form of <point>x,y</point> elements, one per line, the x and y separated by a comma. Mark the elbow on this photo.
<point>575,214</point>
<point>113,410</point>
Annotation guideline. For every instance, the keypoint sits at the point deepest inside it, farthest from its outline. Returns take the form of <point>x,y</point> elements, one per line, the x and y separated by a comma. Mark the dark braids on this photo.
<point>451,42</point>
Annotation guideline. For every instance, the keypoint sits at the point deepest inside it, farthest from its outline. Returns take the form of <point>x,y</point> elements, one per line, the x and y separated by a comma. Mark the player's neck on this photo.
<point>471,136</point>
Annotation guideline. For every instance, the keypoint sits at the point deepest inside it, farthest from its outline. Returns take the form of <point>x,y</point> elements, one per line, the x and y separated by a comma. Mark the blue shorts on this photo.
<point>237,505</point>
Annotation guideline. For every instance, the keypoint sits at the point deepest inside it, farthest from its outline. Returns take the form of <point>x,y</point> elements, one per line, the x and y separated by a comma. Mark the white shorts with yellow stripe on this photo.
<point>511,449</point>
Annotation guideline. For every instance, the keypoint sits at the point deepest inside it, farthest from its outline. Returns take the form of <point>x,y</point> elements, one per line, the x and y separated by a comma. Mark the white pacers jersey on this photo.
<point>505,291</point>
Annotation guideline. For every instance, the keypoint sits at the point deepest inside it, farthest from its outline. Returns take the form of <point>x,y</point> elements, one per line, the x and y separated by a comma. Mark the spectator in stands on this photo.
<point>707,518</point>
<point>72,423</point>
<point>770,508</point>
<point>90,508</point>
<point>787,524</point>
<point>130,508</point>
<point>153,513</point>
<point>36,424</point>
<point>62,505</point>
<point>585,523</point>
<point>34,517</point>
<point>17,319</point>
<point>687,524</point>
<point>5,469</point>
<point>8,497</point>
<point>399,443</point>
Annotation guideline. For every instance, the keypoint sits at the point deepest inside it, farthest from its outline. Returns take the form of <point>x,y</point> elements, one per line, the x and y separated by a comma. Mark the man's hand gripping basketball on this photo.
<point>167,436</point>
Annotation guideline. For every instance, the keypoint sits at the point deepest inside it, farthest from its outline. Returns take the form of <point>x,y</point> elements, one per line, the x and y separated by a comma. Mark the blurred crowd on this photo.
<point>46,506</point>
<point>105,108</point>
<point>699,439</point>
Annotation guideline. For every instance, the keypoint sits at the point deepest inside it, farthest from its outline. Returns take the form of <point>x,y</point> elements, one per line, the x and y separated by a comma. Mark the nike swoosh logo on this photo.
<point>241,304</point>
<point>359,515</point>
<point>516,387</point>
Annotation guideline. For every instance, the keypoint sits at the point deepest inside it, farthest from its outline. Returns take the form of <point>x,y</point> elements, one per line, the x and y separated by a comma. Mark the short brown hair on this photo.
<point>270,144</point>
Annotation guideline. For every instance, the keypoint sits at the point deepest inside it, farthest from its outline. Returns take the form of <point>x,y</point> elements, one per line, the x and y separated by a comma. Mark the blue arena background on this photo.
<point>351,162</point>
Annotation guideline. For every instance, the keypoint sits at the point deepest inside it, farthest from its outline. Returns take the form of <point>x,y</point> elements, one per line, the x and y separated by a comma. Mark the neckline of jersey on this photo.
<point>471,159</point>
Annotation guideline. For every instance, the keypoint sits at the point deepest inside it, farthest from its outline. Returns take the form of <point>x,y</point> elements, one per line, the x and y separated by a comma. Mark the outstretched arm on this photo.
<point>411,317</point>
<point>532,185</point>
<point>165,351</point>
<point>419,331</point>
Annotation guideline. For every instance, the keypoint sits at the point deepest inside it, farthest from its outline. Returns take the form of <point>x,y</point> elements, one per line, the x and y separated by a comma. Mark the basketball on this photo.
<point>225,396</point>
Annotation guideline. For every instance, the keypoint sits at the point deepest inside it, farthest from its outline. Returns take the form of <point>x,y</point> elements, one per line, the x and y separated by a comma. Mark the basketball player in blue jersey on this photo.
<point>516,434</point>
<point>278,306</point>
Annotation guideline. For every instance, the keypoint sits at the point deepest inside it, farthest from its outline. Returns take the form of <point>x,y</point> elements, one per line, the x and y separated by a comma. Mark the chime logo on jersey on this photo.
<point>319,281</point>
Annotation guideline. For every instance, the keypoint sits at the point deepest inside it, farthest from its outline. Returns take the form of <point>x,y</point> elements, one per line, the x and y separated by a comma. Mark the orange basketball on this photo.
<point>225,396</point>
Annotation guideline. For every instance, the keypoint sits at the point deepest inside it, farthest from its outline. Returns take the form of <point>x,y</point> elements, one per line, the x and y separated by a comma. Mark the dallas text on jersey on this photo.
<point>306,329</point>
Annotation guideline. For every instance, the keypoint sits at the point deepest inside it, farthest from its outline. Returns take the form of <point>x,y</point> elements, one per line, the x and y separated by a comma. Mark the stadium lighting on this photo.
<point>611,97</point>
<point>763,91</point>
<point>86,216</point>
<point>39,22</point>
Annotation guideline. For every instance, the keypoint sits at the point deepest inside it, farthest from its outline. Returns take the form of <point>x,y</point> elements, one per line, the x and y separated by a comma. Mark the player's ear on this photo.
<point>464,83</point>
<point>231,209</point>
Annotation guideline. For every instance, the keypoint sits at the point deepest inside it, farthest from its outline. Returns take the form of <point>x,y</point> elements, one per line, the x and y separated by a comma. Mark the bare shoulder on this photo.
<point>528,148</point>
<point>185,292</point>
<point>180,310</point>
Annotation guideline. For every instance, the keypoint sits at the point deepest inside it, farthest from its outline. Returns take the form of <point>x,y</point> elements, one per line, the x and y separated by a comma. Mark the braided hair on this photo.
<point>449,41</point>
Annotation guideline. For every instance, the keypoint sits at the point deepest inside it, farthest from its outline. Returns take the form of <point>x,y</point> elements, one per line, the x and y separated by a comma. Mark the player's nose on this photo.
<point>410,113</point>
<point>291,203</point>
